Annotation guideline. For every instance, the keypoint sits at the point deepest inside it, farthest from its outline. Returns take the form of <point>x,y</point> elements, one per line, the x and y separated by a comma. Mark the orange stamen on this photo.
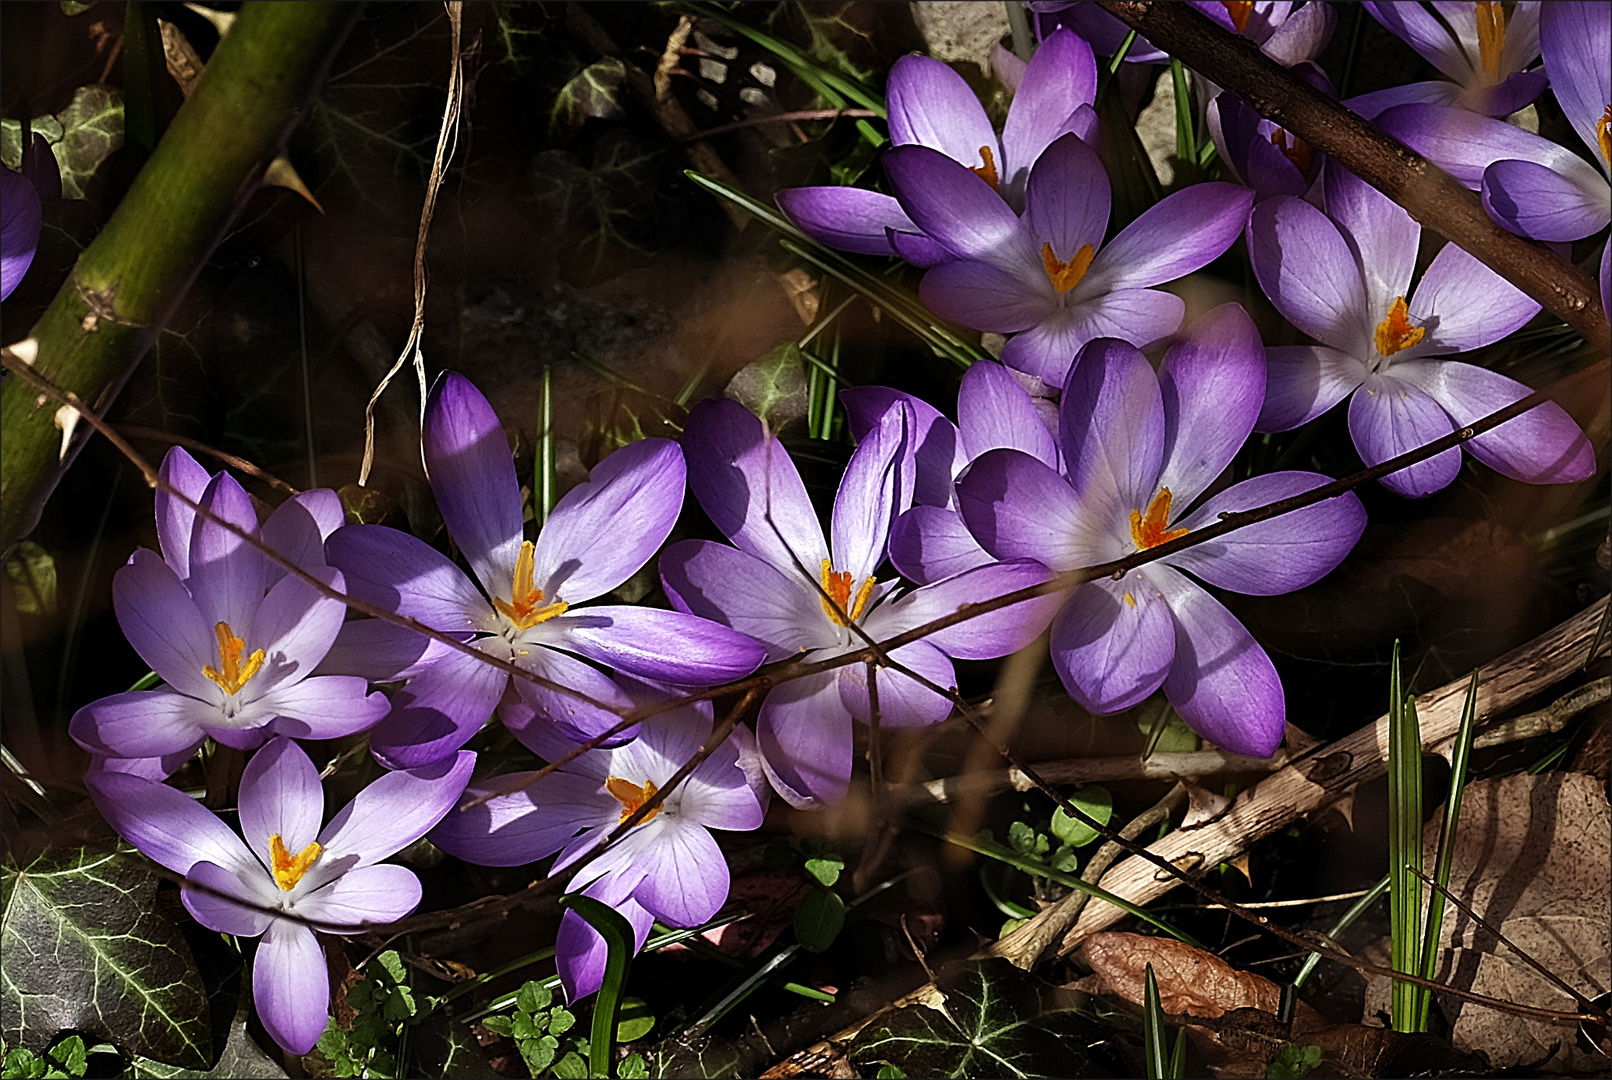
<point>1066,275</point>
<point>987,172</point>
<point>1239,10</point>
<point>837,584</point>
<point>289,868</point>
<point>1151,529</point>
<point>1603,134</point>
<point>1491,35</point>
<point>1396,332</point>
<point>1298,152</point>
<point>527,609</point>
<point>631,796</point>
<point>235,674</point>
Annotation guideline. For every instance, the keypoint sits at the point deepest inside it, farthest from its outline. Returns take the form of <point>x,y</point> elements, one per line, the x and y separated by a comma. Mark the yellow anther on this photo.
<point>1298,152</point>
<point>631,796</point>
<point>1239,10</point>
<point>838,586</point>
<point>1396,332</point>
<point>1603,134</point>
<point>289,868</point>
<point>1151,529</point>
<point>527,608</point>
<point>234,674</point>
<point>1130,601</point>
<point>1491,36</point>
<point>1066,275</point>
<point>987,171</point>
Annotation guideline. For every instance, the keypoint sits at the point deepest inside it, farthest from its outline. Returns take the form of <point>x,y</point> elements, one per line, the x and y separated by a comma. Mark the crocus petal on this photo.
<point>1375,104</point>
<point>207,896</point>
<point>725,585</point>
<point>687,877</point>
<point>323,707</point>
<point>280,796</point>
<point>142,723</point>
<point>1019,508</point>
<point>958,209</point>
<point>163,625</point>
<point>603,530</point>
<point>1464,144</point>
<point>663,646</point>
<point>1111,423</point>
<point>1465,305</point>
<point>1112,643</point>
<point>1419,28</point>
<point>380,651</point>
<point>876,487</point>
<point>176,518</point>
<point>1061,77</point>
<point>438,711</point>
<point>1067,199</point>
<point>1302,35</point>
<point>580,953</point>
<point>227,575</point>
<point>1179,234</point>
<point>930,105</point>
<point>1517,91</point>
<point>473,477</point>
<point>154,768</point>
<point>748,486</point>
<point>298,527</point>
<point>804,736</point>
<point>168,826</point>
<point>531,823</point>
<point>1388,417</point>
<point>362,899</point>
<point>994,410</point>
<point>1606,280</point>
<point>1221,681</point>
<point>917,248</point>
<point>290,986</point>
<point>719,793</point>
<point>579,719</point>
<point>394,812</point>
<point>1279,555</point>
<point>983,637</point>
<point>295,626</point>
<point>1542,446</point>
<point>1105,32</point>
<point>1575,40</point>
<point>1380,232</point>
<point>1212,382</point>
<point>1307,269</point>
<point>986,297</point>
<point>1304,381</point>
<point>929,543</point>
<point>1535,201</point>
<point>399,572</point>
<point>937,452</point>
<point>847,218</point>
<point>903,701</point>
<point>20,222</point>
<point>1138,316</point>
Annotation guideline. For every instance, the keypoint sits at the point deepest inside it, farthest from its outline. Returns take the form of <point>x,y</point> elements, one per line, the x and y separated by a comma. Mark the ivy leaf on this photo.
<point>84,947</point>
<point>33,573</point>
<point>774,387</point>
<point>988,1019</point>
<point>595,91</point>
<point>1095,802</point>
<point>82,136</point>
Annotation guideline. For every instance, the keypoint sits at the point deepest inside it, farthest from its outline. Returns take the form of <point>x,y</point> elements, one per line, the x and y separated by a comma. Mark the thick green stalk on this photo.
<point>130,279</point>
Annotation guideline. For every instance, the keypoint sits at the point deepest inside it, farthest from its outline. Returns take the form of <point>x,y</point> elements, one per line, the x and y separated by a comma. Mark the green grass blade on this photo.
<point>1459,766</point>
<point>1404,848</point>
<point>1360,907</point>
<point>1154,1042</point>
<point>618,935</point>
<point>545,488</point>
<point>1186,142</point>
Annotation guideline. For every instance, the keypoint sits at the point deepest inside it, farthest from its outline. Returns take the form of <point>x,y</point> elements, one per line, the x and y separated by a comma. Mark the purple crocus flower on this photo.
<point>1139,449</point>
<point>930,105</point>
<point>1287,33</point>
<point>519,604</point>
<point>234,637</point>
<point>772,586</point>
<point>1047,278</point>
<point>1261,154</point>
<point>667,867</point>
<point>1482,49</point>
<point>19,228</point>
<point>1343,277</point>
<point>289,877</point>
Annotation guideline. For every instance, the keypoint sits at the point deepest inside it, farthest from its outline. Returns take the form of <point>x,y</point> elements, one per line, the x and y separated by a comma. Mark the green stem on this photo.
<point>130,279</point>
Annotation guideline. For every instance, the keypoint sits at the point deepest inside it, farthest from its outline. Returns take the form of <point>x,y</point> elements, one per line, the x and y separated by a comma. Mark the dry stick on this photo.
<point>779,118</point>
<point>1431,195</point>
<point>1160,766</point>
<point>134,431</point>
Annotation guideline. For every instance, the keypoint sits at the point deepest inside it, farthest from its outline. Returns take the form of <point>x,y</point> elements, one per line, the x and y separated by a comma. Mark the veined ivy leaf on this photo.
<point>592,92</point>
<point>774,387</point>
<point>84,947</point>
<point>33,573</point>
<point>81,136</point>
<point>989,1019</point>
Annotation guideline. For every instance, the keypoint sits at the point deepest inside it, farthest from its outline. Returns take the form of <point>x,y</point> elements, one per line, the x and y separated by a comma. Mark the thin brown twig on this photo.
<point>779,118</point>
<point>134,431</point>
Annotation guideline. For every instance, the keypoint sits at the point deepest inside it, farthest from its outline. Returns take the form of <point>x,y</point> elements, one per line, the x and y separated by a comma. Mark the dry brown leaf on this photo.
<point>1191,981</point>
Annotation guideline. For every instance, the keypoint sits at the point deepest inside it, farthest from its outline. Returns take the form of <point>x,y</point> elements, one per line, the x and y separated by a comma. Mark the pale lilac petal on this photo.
<point>380,651</point>
<point>1221,681</point>
<point>985,297</point>
<point>1179,234</point>
<point>298,527</point>
<point>399,572</point>
<point>323,707</point>
<point>295,626</point>
<point>1139,316</point>
<point>227,575</point>
<point>1465,305</point>
<point>1212,382</point>
<point>473,477</point>
<point>958,209</point>
<point>846,218</point>
<point>1302,35</point>
<point>1112,643</point>
<point>719,794</point>
<point>1279,555</point>
<point>1018,508</point>
<point>206,895</point>
<point>687,877</point>
<point>280,796</point>
<point>930,105</point>
<point>362,899</point>
<point>155,768</point>
<point>748,486</point>
<point>530,824</point>
<point>937,454</point>
<point>1423,31</point>
<point>1536,201</point>
<point>1304,381</point>
<point>163,624</point>
<point>983,637</point>
<point>1061,77</point>
<point>994,410</point>
<point>663,646</point>
<point>876,488</point>
<point>175,517</point>
<point>142,724</point>
<point>1105,32</point>
<point>577,718</point>
<point>20,222</point>
<point>603,530</point>
<point>290,986</point>
<point>394,812</point>
<point>903,701</point>
<point>1067,199</point>
<point>438,711</point>
<point>1542,446</point>
<point>1389,417</point>
<point>1380,232</point>
<point>1306,268</point>
<point>1373,105</point>
<point>804,736</point>
<point>1575,40</point>
<point>1111,423</point>
<point>917,248</point>
<point>929,543</point>
<point>168,826</point>
<point>1464,144</point>
<point>1516,92</point>
<point>580,953</point>
<point>724,584</point>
